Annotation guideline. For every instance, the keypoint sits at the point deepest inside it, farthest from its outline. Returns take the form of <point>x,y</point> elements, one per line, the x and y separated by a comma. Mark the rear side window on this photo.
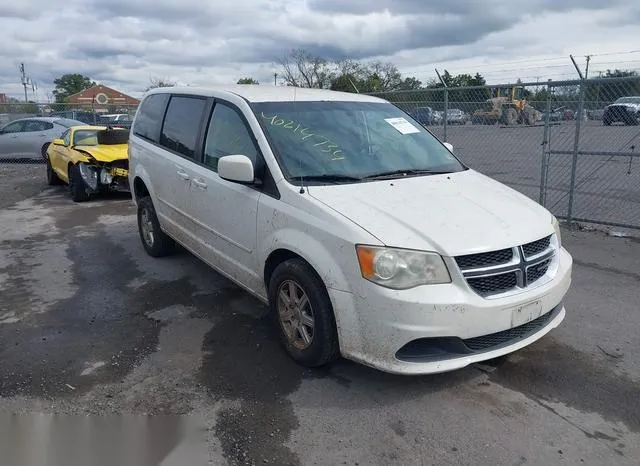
<point>149,117</point>
<point>182,125</point>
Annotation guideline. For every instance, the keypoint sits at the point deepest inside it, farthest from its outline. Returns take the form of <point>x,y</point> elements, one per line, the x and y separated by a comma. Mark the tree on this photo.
<point>303,69</point>
<point>247,81</point>
<point>69,84</point>
<point>159,82</point>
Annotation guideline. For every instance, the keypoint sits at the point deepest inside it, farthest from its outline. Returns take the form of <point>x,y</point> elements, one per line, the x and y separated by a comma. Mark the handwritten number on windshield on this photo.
<point>325,146</point>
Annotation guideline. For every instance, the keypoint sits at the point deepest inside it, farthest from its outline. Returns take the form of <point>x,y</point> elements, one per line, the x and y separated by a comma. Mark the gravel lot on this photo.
<point>90,324</point>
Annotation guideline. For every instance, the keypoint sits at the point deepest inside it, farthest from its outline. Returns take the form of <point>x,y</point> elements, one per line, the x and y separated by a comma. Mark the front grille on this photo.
<point>536,247</point>
<point>504,270</point>
<point>536,271</point>
<point>121,163</point>
<point>485,259</point>
<point>493,284</point>
<point>495,339</point>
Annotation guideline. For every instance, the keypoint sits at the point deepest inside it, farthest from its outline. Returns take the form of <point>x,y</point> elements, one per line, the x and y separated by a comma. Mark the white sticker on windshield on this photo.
<point>402,125</point>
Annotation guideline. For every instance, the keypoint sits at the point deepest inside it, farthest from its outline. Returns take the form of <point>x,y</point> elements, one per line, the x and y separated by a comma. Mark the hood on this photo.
<point>453,214</point>
<point>105,153</point>
<point>628,106</point>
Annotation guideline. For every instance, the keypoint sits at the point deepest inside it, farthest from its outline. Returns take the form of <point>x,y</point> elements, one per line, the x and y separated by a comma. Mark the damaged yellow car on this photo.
<point>91,160</point>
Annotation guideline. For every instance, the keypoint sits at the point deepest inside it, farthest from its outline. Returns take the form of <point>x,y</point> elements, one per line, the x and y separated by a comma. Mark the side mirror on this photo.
<point>448,146</point>
<point>58,142</point>
<point>237,168</point>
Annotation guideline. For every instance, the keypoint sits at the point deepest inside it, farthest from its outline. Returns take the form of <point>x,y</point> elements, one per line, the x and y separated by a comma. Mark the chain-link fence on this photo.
<point>26,129</point>
<point>573,146</point>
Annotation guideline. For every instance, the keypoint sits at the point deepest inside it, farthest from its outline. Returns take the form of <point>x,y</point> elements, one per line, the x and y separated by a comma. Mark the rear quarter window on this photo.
<point>148,120</point>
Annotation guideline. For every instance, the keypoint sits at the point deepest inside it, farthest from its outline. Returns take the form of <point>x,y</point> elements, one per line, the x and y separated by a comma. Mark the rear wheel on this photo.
<point>304,315</point>
<point>155,241</point>
<point>77,187</point>
<point>44,151</point>
<point>52,177</point>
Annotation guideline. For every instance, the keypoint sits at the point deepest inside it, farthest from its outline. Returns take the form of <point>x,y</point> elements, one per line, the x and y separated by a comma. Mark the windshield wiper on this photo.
<point>330,178</point>
<point>405,172</point>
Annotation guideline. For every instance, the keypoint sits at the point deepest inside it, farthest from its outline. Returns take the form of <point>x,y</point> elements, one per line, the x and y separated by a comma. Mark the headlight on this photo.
<point>89,175</point>
<point>556,227</point>
<point>401,269</point>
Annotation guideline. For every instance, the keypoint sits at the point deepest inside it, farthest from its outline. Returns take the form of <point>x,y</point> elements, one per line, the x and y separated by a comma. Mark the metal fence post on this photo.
<point>444,116</point>
<point>546,150</point>
<point>446,104</point>
<point>576,145</point>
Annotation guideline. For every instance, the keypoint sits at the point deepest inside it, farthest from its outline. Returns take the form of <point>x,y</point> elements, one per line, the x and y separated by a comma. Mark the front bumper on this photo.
<point>440,328</point>
<point>104,177</point>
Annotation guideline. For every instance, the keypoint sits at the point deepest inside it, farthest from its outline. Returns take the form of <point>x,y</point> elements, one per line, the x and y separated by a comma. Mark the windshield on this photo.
<point>349,140</point>
<point>85,137</point>
<point>628,100</point>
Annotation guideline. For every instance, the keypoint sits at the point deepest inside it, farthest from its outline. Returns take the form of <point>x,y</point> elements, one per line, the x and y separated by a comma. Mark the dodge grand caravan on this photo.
<point>368,238</point>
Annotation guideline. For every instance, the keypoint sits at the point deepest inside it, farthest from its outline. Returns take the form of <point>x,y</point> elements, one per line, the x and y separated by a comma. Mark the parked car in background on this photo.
<point>30,137</point>
<point>624,110</point>
<point>363,232</point>
<point>89,118</point>
<point>424,115</point>
<point>438,117</point>
<point>596,114</point>
<point>90,160</point>
<point>455,116</point>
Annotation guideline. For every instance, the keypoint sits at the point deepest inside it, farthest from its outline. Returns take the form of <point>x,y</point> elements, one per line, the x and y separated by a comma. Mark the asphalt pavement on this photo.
<point>89,324</point>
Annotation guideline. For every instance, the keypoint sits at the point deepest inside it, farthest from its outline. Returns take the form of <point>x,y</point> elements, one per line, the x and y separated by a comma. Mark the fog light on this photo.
<point>105,176</point>
<point>89,175</point>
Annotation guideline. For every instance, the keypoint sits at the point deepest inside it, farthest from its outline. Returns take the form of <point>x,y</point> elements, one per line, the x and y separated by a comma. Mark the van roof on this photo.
<point>265,93</point>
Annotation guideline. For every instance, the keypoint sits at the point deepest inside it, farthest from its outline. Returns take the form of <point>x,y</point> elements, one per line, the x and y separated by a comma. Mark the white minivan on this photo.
<point>364,233</point>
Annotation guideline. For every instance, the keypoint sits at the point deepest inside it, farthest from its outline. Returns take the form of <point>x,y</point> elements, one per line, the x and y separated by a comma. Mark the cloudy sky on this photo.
<point>124,43</point>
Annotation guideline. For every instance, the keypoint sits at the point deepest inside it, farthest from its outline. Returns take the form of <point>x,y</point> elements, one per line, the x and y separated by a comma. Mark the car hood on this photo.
<point>628,106</point>
<point>105,153</point>
<point>453,214</point>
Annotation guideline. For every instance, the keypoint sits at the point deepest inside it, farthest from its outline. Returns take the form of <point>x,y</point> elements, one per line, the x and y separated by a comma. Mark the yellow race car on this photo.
<point>90,160</point>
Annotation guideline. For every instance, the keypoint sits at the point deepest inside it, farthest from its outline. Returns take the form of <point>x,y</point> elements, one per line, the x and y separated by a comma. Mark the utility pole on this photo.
<point>586,71</point>
<point>25,82</point>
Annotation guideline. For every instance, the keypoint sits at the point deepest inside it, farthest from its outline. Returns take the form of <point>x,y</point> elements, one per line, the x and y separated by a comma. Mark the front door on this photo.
<point>227,211</point>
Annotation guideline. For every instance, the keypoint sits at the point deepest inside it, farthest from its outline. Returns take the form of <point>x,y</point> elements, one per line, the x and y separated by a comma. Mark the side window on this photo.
<point>182,124</point>
<point>227,134</point>
<point>15,127</point>
<point>66,137</point>
<point>35,125</point>
<point>149,117</point>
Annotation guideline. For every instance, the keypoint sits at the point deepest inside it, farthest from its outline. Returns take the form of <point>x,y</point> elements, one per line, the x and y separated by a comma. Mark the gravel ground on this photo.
<point>89,324</point>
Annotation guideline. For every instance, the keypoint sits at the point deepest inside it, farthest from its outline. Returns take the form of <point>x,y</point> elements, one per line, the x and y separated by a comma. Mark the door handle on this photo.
<point>182,174</point>
<point>200,184</point>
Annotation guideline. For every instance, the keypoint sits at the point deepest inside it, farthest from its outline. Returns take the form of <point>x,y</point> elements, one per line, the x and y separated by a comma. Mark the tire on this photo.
<point>52,177</point>
<point>321,344</point>
<point>155,241</point>
<point>510,116</point>
<point>77,187</point>
<point>44,151</point>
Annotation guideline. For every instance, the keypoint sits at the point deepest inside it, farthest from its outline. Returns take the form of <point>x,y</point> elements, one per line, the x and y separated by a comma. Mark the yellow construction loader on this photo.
<point>508,107</point>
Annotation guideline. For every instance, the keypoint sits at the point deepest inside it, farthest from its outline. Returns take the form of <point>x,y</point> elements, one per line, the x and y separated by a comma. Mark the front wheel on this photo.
<point>77,187</point>
<point>303,312</point>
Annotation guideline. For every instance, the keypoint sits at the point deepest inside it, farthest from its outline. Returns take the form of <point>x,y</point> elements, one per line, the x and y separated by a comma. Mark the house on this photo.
<point>103,99</point>
<point>3,98</point>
